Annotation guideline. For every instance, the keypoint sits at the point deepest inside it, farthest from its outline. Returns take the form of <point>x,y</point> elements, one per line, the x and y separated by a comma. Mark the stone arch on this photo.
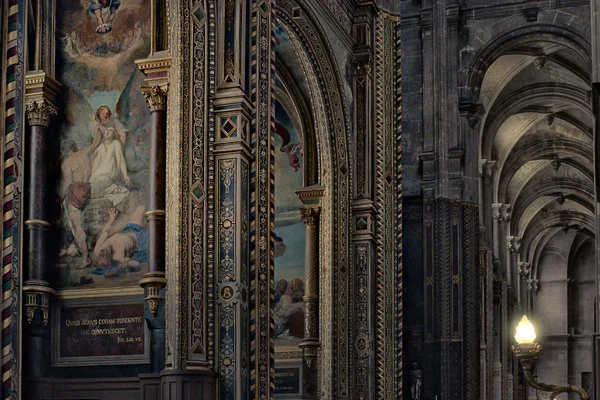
<point>335,164</point>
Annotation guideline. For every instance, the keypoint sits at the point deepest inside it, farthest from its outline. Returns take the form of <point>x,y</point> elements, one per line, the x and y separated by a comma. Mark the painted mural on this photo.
<point>104,142</point>
<point>289,231</point>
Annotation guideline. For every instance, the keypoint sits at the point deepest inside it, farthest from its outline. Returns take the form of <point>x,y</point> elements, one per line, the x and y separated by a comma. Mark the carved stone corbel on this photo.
<point>513,243</point>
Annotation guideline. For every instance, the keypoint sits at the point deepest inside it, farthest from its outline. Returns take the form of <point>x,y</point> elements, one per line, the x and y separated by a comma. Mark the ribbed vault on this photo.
<point>536,138</point>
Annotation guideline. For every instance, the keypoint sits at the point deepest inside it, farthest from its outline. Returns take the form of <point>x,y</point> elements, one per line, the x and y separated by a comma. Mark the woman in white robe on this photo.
<point>108,169</point>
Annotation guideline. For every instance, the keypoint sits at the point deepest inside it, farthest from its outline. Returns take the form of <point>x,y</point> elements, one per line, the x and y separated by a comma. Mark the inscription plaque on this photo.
<point>287,381</point>
<point>100,334</point>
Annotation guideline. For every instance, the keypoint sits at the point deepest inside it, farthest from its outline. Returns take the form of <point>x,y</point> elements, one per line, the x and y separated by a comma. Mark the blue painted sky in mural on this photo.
<point>98,99</point>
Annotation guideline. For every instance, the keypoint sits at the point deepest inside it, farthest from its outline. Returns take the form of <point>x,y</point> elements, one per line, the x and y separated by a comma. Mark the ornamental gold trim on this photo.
<point>156,96</point>
<point>40,112</point>
<point>37,224</point>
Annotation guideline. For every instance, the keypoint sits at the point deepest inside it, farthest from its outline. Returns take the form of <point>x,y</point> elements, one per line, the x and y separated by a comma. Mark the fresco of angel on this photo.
<point>104,166</point>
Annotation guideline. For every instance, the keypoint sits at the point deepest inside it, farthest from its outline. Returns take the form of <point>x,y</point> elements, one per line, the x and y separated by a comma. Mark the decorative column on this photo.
<point>190,215</point>
<point>40,96</point>
<point>311,197</point>
<point>156,70</point>
<point>233,162</point>
<point>363,204</point>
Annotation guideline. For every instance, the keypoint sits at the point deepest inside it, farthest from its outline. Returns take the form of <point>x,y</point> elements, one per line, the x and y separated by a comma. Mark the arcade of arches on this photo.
<point>298,199</point>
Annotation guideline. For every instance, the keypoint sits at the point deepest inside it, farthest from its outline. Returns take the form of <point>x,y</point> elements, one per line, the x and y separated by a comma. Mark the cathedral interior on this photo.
<point>300,199</point>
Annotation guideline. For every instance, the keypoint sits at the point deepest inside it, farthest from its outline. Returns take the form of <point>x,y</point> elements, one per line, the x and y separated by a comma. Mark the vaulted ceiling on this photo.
<point>537,132</point>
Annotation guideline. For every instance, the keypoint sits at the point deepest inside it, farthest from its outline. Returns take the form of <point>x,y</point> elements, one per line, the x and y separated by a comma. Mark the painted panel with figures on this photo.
<point>104,140</point>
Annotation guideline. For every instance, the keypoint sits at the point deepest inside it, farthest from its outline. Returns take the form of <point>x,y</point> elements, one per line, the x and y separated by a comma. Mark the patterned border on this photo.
<point>388,200</point>
<point>176,240</point>
<point>262,203</point>
<point>194,203</point>
<point>10,199</point>
<point>399,250</point>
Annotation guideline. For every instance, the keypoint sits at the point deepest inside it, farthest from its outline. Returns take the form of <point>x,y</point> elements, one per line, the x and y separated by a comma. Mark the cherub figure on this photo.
<point>96,9</point>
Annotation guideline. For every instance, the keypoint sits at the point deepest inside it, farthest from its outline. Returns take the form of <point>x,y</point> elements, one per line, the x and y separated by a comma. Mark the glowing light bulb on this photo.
<point>525,332</point>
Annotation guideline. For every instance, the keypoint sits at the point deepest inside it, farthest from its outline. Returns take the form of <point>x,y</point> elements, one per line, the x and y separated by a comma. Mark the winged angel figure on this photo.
<point>103,166</point>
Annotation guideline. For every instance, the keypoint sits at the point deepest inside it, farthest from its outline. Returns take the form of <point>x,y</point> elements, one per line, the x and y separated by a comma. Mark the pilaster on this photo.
<point>232,113</point>
<point>363,208</point>
<point>363,249</point>
<point>362,88</point>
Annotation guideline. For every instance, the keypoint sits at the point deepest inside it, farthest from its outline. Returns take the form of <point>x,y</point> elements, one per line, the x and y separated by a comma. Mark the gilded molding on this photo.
<point>156,96</point>
<point>156,69</point>
<point>37,224</point>
<point>40,112</point>
<point>155,214</point>
<point>41,86</point>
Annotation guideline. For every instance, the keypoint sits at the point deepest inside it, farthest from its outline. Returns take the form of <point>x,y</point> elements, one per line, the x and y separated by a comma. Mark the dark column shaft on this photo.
<point>37,216</point>
<point>156,206</point>
<point>154,281</point>
<point>36,290</point>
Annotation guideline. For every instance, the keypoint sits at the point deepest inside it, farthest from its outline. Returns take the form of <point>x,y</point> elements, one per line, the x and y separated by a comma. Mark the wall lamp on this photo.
<point>527,352</point>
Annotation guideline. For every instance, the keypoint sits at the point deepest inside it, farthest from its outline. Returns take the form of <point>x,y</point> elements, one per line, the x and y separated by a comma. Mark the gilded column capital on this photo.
<point>40,112</point>
<point>310,215</point>
<point>156,96</point>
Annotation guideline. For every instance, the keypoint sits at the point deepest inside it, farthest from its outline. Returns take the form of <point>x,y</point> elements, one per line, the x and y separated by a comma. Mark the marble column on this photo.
<point>41,92</point>
<point>311,197</point>
<point>154,281</point>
